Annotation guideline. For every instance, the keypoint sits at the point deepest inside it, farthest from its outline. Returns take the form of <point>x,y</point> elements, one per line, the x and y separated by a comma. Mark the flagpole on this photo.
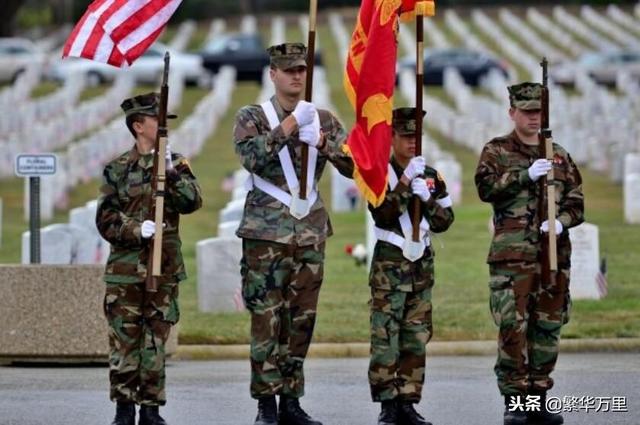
<point>419,116</point>
<point>311,52</point>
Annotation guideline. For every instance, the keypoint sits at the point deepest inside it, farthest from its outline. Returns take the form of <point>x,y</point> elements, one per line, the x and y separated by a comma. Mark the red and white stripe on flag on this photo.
<point>118,32</point>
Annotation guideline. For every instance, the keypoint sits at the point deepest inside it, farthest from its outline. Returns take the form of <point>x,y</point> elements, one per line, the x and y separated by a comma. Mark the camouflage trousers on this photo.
<point>401,327</point>
<point>139,325</point>
<point>529,316</point>
<point>280,287</point>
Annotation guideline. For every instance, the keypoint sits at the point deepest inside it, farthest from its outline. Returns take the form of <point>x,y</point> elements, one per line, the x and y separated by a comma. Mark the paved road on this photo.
<point>459,390</point>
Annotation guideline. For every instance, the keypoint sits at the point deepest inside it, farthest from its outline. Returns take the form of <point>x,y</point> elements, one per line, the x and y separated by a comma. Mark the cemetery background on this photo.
<point>461,294</point>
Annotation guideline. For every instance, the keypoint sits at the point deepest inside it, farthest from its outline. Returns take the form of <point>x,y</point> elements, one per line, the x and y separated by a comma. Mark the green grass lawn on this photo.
<point>460,297</point>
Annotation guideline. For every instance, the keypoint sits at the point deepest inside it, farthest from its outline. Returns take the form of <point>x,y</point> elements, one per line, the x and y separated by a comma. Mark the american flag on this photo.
<point>118,32</point>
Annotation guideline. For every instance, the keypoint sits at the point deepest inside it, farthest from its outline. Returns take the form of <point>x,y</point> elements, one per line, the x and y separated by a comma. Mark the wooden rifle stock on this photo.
<point>548,252</point>
<point>154,262</point>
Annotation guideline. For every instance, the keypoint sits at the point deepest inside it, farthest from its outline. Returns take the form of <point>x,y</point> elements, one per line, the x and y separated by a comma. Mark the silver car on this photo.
<point>603,67</point>
<point>16,54</point>
<point>147,69</point>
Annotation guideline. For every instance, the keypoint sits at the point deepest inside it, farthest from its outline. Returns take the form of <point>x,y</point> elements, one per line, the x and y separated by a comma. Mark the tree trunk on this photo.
<point>7,17</point>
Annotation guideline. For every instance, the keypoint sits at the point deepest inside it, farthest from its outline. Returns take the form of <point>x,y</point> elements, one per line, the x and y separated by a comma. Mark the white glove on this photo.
<point>167,158</point>
<point>544,227</point>
<point>415,168</point>
<point>419,188</point>
<point>304,113</point>
<point>147,229</point>
<point>539,168</point>
<point>310,133</point>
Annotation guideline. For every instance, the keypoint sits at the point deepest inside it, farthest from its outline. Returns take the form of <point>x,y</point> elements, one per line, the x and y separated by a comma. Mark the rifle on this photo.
<point>154,262</point>
<point>311,52</point>
<point>548,253</point>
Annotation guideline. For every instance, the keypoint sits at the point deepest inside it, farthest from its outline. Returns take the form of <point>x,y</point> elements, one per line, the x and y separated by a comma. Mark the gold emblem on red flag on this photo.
<point>377,109</point>
<point>388,9</point>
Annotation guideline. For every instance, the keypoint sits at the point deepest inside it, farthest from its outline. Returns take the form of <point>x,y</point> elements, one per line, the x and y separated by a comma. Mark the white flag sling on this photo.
<point>118,32</point>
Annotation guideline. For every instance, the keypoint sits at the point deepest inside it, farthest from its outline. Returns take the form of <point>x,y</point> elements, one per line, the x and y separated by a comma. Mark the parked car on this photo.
<point>471,64</point>
<point>246,52</point>
<point>601,66</point>
<point>147,69</point>
<point>15,55</point>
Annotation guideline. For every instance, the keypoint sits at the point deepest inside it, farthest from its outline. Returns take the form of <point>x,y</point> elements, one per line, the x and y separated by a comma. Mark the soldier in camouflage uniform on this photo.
<point>140,321</point>
<point>400,287</point>
<point>529,314</point>
<point>283,242</point>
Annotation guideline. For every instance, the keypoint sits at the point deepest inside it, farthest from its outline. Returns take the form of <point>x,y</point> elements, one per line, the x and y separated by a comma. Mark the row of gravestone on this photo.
<point>20,118</point>
<point>78,241</point>
<point>59,118</point>
<point>84,159</point>
<point>20,90</point>
<point>632,188</point>
<point>57,133</point>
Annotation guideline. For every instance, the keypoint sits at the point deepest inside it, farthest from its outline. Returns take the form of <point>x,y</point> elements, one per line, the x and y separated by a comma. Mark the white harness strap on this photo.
<point>405,224</point>
<point>287,167</point>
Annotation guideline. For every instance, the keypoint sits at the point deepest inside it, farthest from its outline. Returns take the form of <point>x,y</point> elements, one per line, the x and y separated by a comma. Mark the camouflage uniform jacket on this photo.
<point>123,205</point>
<point>400,273</point>
<point>502,179</point>
<point>257,145</point>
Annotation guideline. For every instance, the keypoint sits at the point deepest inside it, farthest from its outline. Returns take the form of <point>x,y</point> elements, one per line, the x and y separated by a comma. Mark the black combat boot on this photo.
<point>407,414</point>
<point>267,411</point>
<point>290,413</point>
<point>515,417</point>
<point>543,416</point>
<point>388,413</point>
<point>150,415</point>
<point>125,413</point>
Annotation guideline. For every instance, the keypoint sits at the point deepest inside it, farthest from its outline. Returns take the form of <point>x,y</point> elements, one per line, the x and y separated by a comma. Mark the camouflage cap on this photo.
<point>145,104</point>
<point>526,96</point>
<point>404,120</point>
<point>288,55</point>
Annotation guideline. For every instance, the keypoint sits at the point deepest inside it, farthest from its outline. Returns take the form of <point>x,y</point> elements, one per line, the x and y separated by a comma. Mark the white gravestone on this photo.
<point>228,229</point>
<point>585,261</point>
<point>85,217</point>
<point>56,246</point>
<point>232,211</point>
<point>219,282</point>
<point>632,188</point>
<point>632,198</point>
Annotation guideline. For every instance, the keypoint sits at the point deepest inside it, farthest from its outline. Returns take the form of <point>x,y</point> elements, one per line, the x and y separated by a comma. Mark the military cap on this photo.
<point>526,96</point>
<point>404,120</point>
<point>145,104</point>
<point>288,55</point>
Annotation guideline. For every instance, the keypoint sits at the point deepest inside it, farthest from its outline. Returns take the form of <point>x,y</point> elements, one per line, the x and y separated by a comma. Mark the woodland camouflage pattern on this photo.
<point>140,322</point>
<point>401,322</point>
<point>123,205</point>
<point>529,316</point>
<point>280,287</point>
<point>525,96</point>
<point>257,146</point>
<point>282,263</point>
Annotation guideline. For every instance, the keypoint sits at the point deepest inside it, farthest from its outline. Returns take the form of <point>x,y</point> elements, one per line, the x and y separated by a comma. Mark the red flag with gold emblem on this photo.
<point>369,82</point>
